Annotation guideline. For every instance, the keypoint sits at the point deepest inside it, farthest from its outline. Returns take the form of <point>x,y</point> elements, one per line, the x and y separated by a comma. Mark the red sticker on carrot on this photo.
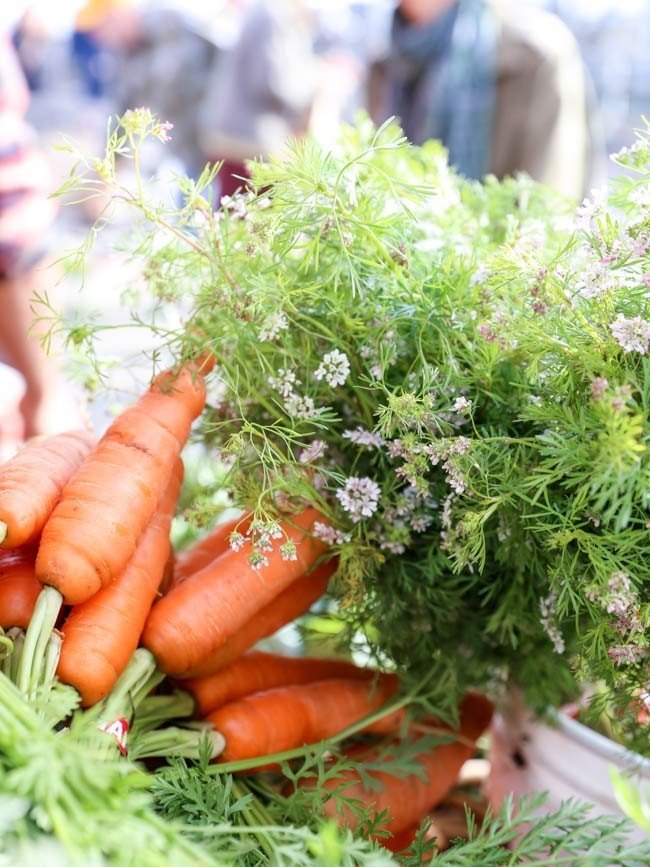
<point>119,728</point>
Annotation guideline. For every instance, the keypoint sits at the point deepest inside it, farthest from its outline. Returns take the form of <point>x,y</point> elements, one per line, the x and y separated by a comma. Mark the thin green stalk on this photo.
<point>155,710</point>
<point>256,830</point>
<point>51,659</point>
<point>14,707</point>
<point>141,695</point>
<point>6,645</point>
<point>174,741</point>
<point>121,699</point>
<point>46,612</point>
<point>19,643</point>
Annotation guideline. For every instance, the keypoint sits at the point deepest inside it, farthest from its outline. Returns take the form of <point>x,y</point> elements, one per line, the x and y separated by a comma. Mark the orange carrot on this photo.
<point>286,606</point>
<point>168,573</point>
<point>409,799</point>
<point>291,716</point>
<point>206,550</point>
<point>93,531</point>
<point>32,481</point>
<point>100,635</point>
<point>199,615</point>
<point>19,588</point>
<point>257,671</point>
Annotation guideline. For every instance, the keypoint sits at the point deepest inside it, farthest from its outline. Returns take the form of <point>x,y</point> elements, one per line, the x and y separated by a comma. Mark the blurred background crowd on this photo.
<point>550,87</point>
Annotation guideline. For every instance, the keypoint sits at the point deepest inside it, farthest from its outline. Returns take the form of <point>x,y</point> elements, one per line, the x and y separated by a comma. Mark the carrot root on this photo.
<point>37,637</point>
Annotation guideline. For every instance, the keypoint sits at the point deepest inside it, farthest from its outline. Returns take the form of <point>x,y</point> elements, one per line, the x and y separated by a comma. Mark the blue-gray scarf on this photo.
<point>444,82</point>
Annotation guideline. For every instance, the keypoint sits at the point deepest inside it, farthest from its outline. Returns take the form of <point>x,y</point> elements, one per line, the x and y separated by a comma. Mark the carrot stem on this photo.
<point>11,664</point>
<point>6,645</point>
<point>176,741</point>
<point>155,710</point>
<point>3,531</point>
<point>51,660</point>
<point>46,612</point>
<point>121,701</point>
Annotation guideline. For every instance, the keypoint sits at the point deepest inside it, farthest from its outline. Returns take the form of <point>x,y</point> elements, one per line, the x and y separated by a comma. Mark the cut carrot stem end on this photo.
<point>41,626</point>
<point>3,531</point>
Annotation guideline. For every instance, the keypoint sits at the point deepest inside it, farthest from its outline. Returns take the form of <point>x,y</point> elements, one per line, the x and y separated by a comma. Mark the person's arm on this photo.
<point>541,119</point>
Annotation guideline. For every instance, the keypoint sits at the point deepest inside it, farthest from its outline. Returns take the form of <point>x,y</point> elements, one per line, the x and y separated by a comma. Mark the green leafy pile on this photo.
<point>456,374</point>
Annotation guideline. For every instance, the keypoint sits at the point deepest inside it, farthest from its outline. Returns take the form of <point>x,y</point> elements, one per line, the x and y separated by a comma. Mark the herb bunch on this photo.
<point>456,374</point>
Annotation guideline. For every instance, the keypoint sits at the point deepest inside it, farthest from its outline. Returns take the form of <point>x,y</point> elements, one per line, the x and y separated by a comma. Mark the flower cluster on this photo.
<point>334,368</point>
<point>359,497</point>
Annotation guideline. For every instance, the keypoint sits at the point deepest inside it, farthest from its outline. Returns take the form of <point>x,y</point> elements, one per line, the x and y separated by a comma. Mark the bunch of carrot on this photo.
<point>84,529</point>
<point>84,546</point>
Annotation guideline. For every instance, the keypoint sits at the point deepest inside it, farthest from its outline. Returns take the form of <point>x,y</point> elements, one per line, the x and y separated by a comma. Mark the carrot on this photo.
<point>206,550</point>
<point>32,481</point>
<point>19,588</point>
<point>291,716</point>
<point>409,799</point>
<point>199,615</point>
<point>100,635</point>
<point>286,606</point>
<point>93,531</point>
<point>257,671</point>
<point>168,573</point>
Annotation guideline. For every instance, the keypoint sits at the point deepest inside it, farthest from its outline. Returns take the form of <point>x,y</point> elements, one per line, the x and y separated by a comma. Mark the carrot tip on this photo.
<point>3,531</point>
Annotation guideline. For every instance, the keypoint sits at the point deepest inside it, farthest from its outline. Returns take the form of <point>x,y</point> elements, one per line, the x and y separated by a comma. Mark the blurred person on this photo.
<point>26,215</point>
<point>501,84</point>
<point>261,90</point>
<point>100,24</point>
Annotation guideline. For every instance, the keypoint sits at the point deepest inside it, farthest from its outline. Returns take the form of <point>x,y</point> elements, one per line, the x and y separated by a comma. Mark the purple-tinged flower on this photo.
<point>362,437</point>
<point>625,654</point>
<point>316,449</point>
<point>632,335</point>
<point>359,497</point>
<point>599,387</point>
<point>288,551</point>
<point>236,541</point>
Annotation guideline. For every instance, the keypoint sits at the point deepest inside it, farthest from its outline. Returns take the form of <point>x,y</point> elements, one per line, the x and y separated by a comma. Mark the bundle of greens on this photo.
<point>455,374</point>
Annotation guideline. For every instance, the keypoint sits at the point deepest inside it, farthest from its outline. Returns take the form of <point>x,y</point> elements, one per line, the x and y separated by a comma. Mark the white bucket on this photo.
<point>568,760</point>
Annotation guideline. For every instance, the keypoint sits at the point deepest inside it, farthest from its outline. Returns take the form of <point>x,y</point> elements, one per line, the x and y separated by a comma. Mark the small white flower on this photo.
<point>359,497</point>
<point>284,382</point>
<point>461,405</point>
<point>298,406</point>
<point>548,622</point>
<point>273,325</point>
<point>288,550</point>
<point>632,335</point>
<point>316,449</point>
<point>419,525</point>
<point>362,437</point>
<point>479,276</point>
<point>590,208</point>
<point>258,561</point>
<point>236,541</point>
<point>393,547</point>
<point>328,534</point>
<point>334,368</point>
